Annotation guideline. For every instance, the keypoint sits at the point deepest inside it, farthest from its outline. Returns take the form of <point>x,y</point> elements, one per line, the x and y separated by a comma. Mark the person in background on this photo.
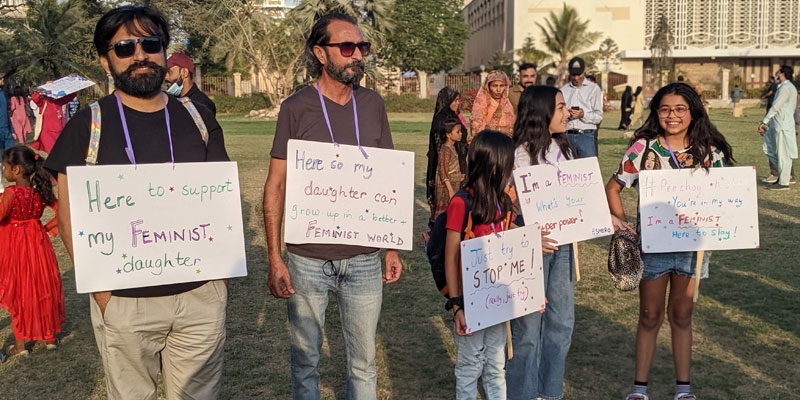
<point>448,106</point>
<point>492,109</point>
<point>638,111</point>
<point>769,92</point>
<point>180,78</point>
<point>72,107</point>
<point>19,115</point>
<point>777,127</point>
<point>53,119</point>
<point>585,102</point>
<point>550,81</point>
<point>625,108</point>
<point>6,127</point>
<point>736,96</point>
<point>448,173</point>
<point>527,77</point>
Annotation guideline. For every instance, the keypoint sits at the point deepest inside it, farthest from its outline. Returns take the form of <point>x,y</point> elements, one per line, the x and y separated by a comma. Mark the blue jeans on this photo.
<point>583,144</point>
<point>541,340</point>
<point>356,282</point>
<point>481,355</point>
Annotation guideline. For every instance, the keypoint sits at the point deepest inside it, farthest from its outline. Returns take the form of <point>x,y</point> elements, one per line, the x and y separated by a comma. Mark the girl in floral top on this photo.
<point>676,134</point>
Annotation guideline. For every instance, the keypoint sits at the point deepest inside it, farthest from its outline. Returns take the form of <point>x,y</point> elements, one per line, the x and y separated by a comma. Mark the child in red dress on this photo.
<point>30,283</point>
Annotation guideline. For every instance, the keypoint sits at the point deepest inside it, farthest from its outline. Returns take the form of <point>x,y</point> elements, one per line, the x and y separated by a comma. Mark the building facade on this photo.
<point>747,38</point>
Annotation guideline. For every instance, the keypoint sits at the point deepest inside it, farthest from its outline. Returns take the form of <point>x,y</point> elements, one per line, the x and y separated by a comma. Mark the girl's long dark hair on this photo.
<point>532,127</point>
<point>491,159</point>
<point>702,134</point>
<point>32,169</point>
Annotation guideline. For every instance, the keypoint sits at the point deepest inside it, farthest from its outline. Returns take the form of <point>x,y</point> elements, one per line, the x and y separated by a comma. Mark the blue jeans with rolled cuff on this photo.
<point>357,284</point>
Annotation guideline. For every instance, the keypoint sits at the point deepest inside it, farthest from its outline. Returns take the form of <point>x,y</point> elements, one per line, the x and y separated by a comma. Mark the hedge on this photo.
<point>229,104</point>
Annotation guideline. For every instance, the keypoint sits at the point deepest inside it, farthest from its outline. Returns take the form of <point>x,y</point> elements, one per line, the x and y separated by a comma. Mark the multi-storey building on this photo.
<point>748,38</point>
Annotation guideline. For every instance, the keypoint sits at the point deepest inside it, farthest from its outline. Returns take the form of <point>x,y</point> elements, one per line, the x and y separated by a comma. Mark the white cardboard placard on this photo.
<point>64,86</point>
<point>155,224</point>
<point>568,199</point>
<point>335,195</point>
<point>689,210</point>
<point>502,276</point>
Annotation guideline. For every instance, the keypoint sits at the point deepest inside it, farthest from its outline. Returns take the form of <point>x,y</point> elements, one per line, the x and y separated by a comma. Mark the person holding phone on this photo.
<point>585,102</point>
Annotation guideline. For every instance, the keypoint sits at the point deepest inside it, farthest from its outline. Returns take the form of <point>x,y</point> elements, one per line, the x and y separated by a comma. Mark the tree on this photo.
<point>608,53</point>
<point>661,51</point>
<point>429,35</point>
<point>565,35</point>
<point>376,14</point>
<point>243,34</point>
<point>529,53</point>
<point>501,62</point>
<point>51,41</point>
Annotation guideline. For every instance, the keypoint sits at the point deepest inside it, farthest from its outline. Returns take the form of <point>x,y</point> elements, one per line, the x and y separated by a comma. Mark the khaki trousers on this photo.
<point>182,336</point>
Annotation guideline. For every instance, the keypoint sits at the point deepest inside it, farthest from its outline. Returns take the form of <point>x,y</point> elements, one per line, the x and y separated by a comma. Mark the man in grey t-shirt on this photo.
<point>334,52</point>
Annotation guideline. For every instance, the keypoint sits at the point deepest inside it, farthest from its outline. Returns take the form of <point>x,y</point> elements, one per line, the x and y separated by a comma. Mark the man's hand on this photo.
<point>576,113</point>
<point>394,267</point>
<point>762,129</point>
<point>102,299</point>
<point>279,281</point>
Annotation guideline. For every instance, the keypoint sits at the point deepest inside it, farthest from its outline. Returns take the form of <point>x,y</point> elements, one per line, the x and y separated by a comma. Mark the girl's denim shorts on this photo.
<point>657,264</point>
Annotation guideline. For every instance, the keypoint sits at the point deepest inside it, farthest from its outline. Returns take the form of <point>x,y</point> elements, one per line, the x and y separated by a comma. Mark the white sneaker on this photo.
<point>770,179</point>
<point>637,396</point>
<point>684,396</point>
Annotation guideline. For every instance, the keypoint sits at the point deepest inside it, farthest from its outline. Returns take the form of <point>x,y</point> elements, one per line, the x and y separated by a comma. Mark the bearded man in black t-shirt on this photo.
<point>179,328</point>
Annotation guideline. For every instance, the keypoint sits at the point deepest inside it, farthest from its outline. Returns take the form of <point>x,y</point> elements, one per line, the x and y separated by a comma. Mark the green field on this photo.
<point>746,322</point>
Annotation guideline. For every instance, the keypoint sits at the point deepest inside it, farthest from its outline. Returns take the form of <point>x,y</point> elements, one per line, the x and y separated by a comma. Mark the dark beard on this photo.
<point>343,75</point>
<point>144,86</point>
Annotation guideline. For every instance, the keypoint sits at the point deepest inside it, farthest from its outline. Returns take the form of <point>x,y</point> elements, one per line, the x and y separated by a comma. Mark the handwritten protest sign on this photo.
<point>155,224</point>
<point>567,199</point>
<point>336,195</point>
<point>502,276</point>
<point>685,210</point>
<point>64,86</point>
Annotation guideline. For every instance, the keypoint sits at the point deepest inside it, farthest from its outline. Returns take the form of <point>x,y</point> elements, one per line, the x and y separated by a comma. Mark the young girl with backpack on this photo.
<point>677,134</point>
<point>541,340</point>
<point>480,354</point>
<point>30,283</point>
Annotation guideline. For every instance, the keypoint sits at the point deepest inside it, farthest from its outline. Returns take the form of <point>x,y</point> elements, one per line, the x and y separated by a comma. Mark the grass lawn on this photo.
<point>746,322</point>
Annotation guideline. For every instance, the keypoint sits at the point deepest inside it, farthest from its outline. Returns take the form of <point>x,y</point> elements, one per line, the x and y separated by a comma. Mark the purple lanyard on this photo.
<point>677,165</point>
<point>502,221</point>
<point>355,118</point>
<point>129,149</point>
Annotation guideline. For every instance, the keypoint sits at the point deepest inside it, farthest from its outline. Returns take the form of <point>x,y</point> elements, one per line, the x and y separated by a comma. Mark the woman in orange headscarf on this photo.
<point>492,109</point>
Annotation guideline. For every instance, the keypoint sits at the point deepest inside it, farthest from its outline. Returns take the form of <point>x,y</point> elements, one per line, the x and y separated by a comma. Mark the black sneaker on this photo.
<point>778,186</point>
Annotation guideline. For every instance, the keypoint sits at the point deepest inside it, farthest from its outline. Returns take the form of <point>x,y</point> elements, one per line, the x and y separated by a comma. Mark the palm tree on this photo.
<point>565,35</point>
<point>53,40</point>
<point>374,12</point>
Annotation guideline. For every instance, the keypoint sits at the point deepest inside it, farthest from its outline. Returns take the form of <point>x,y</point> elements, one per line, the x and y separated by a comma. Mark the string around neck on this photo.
<point>355,119</point>
<point>672,154</point>
<point>129,147</point>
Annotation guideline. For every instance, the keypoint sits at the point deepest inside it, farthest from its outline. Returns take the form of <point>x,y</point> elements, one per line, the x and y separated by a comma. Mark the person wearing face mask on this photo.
<point>180,78</point>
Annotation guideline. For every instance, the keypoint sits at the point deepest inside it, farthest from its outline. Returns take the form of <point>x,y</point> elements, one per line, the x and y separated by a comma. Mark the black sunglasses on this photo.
<point>126,48</point>
<point>348,48</point>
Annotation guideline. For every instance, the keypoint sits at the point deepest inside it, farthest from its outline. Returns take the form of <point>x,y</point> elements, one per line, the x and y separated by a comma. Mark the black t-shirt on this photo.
<point>150,144</point>
<point>301,117</point>
<point>198,97</point>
